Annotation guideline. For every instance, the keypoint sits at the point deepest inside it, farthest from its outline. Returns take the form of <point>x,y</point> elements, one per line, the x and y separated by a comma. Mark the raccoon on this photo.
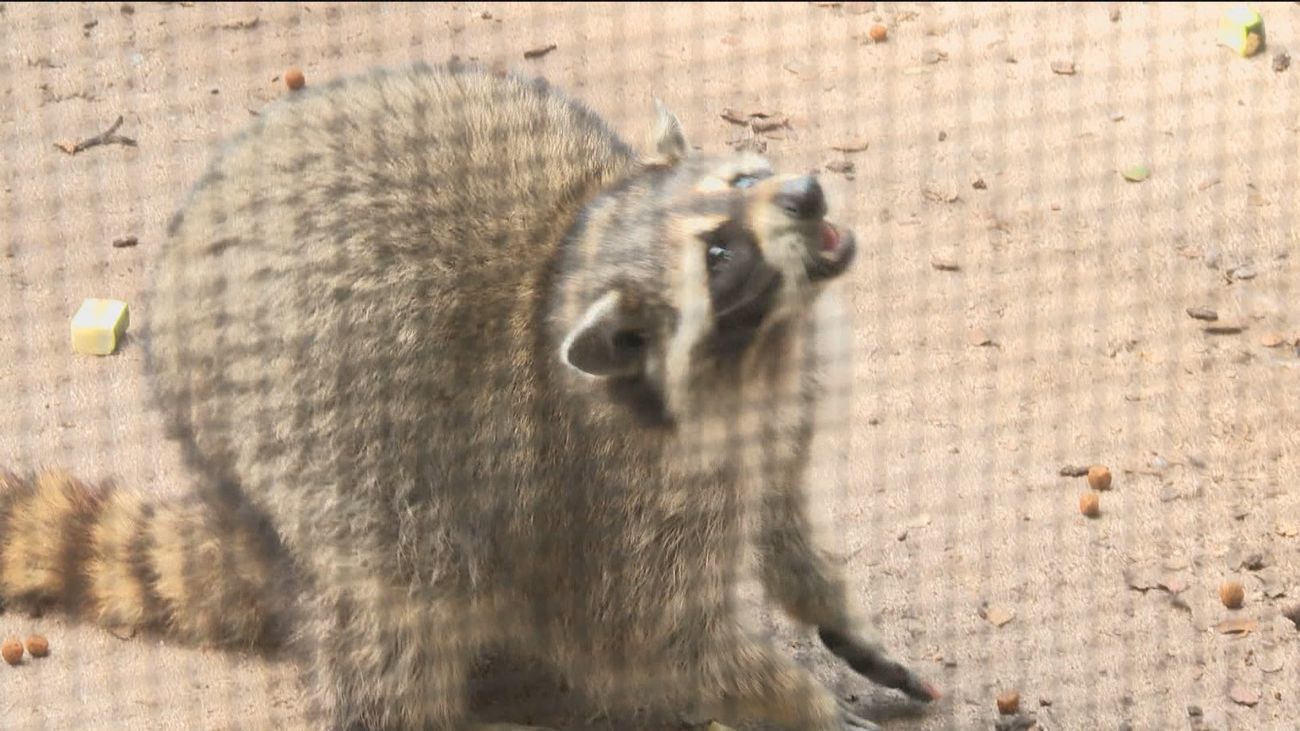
<point>455,368</point>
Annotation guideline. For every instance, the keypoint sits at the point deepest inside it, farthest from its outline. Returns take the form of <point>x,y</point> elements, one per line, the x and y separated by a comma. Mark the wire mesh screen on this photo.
<point>807,365</point>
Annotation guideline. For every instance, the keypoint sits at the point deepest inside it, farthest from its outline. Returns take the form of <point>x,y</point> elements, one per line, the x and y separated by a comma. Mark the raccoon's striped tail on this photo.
<point>129,562</point>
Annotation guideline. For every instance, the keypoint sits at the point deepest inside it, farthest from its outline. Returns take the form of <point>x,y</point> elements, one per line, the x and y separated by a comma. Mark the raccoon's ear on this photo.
<point>604,343</point>
<point>667,140</point>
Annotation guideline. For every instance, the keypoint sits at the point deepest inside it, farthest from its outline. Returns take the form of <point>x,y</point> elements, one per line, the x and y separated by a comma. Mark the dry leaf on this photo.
<point>1243,695</point>
<point>840,166</point>
<point>1270,582</point>
<point>857,144</point>
<point>757,121</point>
<point>939,196</point>
<point>944,265</point>
<point>979,338</point>
<point>1202,313</point>
<point>1172,584</point>
<point>1136,173</point>
<point>1140,579</point>
<point>997,616</point>
<point>766,124</point>
<point>1286,529</point>
<point>1064,68</point>
<point>244,24</point>
<point>735,117</point>
<point>1237,626</point>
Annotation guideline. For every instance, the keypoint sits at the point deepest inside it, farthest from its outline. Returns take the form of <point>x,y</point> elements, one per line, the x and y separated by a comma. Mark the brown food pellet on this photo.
<point>1008,702</point>
<point>1232,594</point>
<point>878,33</point>
<point>1090,504</point>
<point>12,650</point>
<point>1099,477</point>
<point>38,646</point>
<point>294,79</point>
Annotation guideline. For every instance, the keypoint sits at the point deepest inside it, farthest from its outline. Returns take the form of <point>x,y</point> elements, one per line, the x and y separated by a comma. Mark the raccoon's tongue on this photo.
<point>830,239</point>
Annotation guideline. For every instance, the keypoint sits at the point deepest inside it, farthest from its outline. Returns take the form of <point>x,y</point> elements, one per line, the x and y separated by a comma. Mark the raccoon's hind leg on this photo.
<point>381,658</point>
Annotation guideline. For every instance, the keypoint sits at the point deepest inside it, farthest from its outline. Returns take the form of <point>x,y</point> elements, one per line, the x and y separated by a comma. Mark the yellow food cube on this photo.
<point>98,326</point>
<point>1242,30</point>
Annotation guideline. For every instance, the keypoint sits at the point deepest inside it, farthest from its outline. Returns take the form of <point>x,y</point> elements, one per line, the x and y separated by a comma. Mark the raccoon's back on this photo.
<point>352,287</point>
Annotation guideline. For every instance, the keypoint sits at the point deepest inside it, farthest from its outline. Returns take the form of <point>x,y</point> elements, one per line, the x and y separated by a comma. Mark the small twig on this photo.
<point>540,51</point>
<point>1148,473</point>
<point>105,138</point>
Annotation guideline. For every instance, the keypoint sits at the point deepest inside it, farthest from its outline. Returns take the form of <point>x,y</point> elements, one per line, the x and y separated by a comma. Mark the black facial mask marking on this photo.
<point>742,285</point>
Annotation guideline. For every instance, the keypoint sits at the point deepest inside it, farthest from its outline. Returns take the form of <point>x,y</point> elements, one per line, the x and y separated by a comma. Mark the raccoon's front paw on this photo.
<point>873,663</point>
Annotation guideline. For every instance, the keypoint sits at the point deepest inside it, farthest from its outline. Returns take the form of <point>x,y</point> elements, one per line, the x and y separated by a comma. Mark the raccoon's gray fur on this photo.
<point>458,370</point>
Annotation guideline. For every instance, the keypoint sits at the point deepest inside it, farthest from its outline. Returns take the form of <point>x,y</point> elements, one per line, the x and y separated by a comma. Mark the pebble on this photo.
<point>1243,273</point>
<point>1213,258</point>
<point>932,56</point>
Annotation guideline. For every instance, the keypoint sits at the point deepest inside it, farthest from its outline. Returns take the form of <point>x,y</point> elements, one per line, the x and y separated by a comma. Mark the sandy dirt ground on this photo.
<point>1061,338</point>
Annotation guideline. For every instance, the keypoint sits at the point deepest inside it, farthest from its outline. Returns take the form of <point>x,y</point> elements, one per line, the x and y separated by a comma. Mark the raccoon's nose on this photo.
<point>802,198</point>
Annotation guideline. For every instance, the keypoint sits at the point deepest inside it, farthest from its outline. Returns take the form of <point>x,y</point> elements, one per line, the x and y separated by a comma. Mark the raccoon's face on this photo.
<point>688,267</point>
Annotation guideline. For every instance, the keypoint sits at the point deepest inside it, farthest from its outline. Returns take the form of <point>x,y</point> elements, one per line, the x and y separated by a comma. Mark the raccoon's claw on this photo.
<point>918,689</point>
<point>854,721</point>
<point>872,663</point>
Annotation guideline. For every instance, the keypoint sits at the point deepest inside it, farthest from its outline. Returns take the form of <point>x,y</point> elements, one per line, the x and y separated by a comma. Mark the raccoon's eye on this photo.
<point>743,181</point>
<point>718,254</point>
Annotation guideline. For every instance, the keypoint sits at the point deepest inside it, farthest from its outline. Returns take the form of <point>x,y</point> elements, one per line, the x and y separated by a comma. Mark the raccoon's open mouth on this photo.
<point>833,252</point>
